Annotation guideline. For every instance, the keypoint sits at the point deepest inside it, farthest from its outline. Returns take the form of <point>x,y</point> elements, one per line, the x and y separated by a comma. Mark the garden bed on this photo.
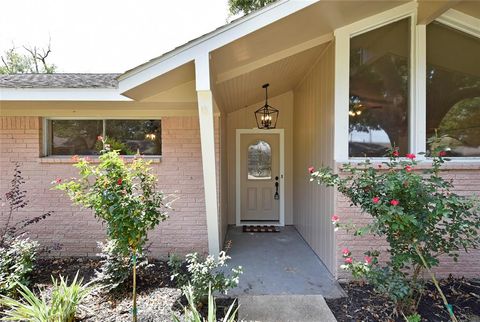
<point>158,297</point>
<point>363,304</point>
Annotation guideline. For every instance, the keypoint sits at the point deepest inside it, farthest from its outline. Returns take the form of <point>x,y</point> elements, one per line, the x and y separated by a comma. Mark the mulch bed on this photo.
<point>364,304</point>
<point>158,297</point>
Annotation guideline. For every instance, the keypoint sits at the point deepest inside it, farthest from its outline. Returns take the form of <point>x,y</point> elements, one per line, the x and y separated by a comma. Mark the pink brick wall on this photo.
<point>466,181</point>
<point>179,172</point>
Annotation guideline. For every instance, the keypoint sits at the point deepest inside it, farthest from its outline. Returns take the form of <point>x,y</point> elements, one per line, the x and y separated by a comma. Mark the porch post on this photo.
<point>207,137</point>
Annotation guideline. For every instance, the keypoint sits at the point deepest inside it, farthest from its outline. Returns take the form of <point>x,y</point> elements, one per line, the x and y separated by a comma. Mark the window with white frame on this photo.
<point>80,136</point>
<point>453,90</point>
<point>379,90</point>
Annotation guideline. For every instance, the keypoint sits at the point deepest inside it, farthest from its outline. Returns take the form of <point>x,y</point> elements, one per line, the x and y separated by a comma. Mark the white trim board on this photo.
<point>238,133</point>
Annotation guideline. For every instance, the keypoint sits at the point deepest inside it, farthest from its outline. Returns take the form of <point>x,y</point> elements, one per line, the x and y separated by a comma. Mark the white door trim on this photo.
<point>239,132</point>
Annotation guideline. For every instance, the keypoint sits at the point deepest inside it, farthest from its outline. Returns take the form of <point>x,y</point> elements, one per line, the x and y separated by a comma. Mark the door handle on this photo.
<point>277,195</point>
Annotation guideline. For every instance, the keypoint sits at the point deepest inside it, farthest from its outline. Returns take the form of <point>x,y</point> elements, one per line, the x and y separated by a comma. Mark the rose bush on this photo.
<point>417,213</point>
<point>124,195</point>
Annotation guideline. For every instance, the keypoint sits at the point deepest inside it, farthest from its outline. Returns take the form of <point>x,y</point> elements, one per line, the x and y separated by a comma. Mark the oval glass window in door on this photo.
<point>259,161</point>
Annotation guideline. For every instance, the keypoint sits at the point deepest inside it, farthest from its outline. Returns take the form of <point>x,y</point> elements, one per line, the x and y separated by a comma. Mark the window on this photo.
<point>259,161</point>
<point>71,137</point>
<point>453,90</point>
<point>379,90</point>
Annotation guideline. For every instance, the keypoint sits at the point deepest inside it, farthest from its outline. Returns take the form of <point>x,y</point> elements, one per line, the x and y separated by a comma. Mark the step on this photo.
<point>284,308</point>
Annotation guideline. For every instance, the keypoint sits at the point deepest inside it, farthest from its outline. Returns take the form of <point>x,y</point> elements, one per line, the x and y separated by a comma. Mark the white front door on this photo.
<point>260,177</point>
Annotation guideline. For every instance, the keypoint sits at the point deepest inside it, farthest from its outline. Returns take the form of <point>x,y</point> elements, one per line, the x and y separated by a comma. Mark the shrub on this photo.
<point>124,195</point>
<point>16,263</point>
<point>65,301</point>
<point>17,253</point>
<point>116,267</point>
<point>205,275</point>
<point>419,216</point>
<point>191,313</point>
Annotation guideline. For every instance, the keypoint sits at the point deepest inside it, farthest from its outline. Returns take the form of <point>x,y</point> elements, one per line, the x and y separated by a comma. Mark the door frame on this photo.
<point>239,132</point>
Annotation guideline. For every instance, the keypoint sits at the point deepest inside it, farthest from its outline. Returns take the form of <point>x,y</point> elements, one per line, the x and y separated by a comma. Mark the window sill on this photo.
<point>423,163</point>
<point>67,159</point>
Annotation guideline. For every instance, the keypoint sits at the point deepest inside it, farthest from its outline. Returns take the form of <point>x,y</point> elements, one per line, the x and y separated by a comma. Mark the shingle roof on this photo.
<point>60,80</point>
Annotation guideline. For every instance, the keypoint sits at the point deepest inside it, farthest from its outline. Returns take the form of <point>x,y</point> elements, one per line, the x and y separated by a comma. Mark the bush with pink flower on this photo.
<point>418,214</point>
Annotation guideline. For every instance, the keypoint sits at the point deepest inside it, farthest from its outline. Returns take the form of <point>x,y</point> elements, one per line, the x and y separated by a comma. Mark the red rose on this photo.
<point>348,260</point>
<point>376,200</point>
<point>119,181</point>
<point>311,169</point>
<point>394,202</point>
<point>395,153</point>
<point>411,156</point>
<point>442,154</point>
<point>408,168</point>
<point>368,260</point>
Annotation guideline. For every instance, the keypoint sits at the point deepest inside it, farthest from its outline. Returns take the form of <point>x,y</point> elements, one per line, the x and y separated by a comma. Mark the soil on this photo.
<point>364,304</point>
<point>158,297</point>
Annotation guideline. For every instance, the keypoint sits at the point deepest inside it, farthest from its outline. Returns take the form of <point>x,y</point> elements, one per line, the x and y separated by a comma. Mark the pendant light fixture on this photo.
<point>266,116</point>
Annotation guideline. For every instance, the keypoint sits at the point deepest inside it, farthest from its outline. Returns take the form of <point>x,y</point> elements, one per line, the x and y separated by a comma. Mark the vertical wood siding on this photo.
<point>313,205</point>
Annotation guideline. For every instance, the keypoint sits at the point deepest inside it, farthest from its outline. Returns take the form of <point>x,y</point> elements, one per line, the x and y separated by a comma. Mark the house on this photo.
<point>349,78</point>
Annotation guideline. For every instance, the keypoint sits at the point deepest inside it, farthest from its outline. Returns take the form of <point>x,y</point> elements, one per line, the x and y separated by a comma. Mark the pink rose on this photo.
<point>376,200</point>
<point>394,202</point>
<point>311,169</point>
<point>335,218</point>
<point>345,251</point>
<point>442,154</point>
<point>368,260</point>
<point>408,168</point>
<point>58,180</point>
<point>395,153</point>
<point>411,156</point>
<point>348,260</point>
<point>99,138</point>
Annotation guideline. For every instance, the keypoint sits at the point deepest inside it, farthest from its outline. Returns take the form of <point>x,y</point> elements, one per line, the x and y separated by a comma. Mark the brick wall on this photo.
<point>466,179</point>
<point>179,173</point>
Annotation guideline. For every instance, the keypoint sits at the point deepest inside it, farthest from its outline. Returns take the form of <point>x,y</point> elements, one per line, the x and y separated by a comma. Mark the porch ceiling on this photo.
<point>282,75</point>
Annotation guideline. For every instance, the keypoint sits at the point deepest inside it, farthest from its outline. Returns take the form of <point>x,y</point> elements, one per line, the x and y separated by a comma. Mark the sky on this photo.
<point>103,36</point>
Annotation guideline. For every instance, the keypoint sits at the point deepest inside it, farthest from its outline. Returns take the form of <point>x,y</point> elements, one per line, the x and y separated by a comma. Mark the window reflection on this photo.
<point>259,161</point>
<point>453,90</point>
<point>379,85</point>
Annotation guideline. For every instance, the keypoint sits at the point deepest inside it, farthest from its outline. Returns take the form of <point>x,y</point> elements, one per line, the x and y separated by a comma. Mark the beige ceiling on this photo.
<point>282,76</point>
<point>471,8</point>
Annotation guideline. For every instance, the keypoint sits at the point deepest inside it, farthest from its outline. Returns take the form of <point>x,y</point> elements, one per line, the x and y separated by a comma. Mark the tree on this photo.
<point>246,6</point>
<point>124,195</point>
<point>33,61</point>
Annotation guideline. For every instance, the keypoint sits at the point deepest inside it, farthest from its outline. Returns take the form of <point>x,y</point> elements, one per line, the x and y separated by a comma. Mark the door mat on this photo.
<point>260,229</point>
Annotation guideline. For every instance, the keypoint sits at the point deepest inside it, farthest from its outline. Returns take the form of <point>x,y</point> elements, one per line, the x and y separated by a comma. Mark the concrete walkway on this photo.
<point>284,308</point>
<point>278,264</point>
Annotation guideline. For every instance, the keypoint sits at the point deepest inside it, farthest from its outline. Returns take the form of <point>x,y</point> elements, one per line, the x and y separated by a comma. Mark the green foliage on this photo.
<point>33,61</point>
<point>65,301</point>
<point>246,6</point>
<point>206,274</point>
<point>121,193</point>
<point>191,313</point>
<point>419,215</point>
<point>116,267</point>
<point>124,195</point>
<point>17,258</point>
<point>114,145</point>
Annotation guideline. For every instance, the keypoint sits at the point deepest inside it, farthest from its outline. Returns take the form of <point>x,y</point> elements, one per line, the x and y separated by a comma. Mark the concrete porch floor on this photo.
<point>278,264</point>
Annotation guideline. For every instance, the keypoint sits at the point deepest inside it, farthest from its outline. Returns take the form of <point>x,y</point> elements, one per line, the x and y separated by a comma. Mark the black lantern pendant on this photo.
<point>266,115</point>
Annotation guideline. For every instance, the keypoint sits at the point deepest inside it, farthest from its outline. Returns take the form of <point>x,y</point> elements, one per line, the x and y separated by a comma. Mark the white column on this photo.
<point>342,84</point>
<point>207,136</point>
<point>418,112</point>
